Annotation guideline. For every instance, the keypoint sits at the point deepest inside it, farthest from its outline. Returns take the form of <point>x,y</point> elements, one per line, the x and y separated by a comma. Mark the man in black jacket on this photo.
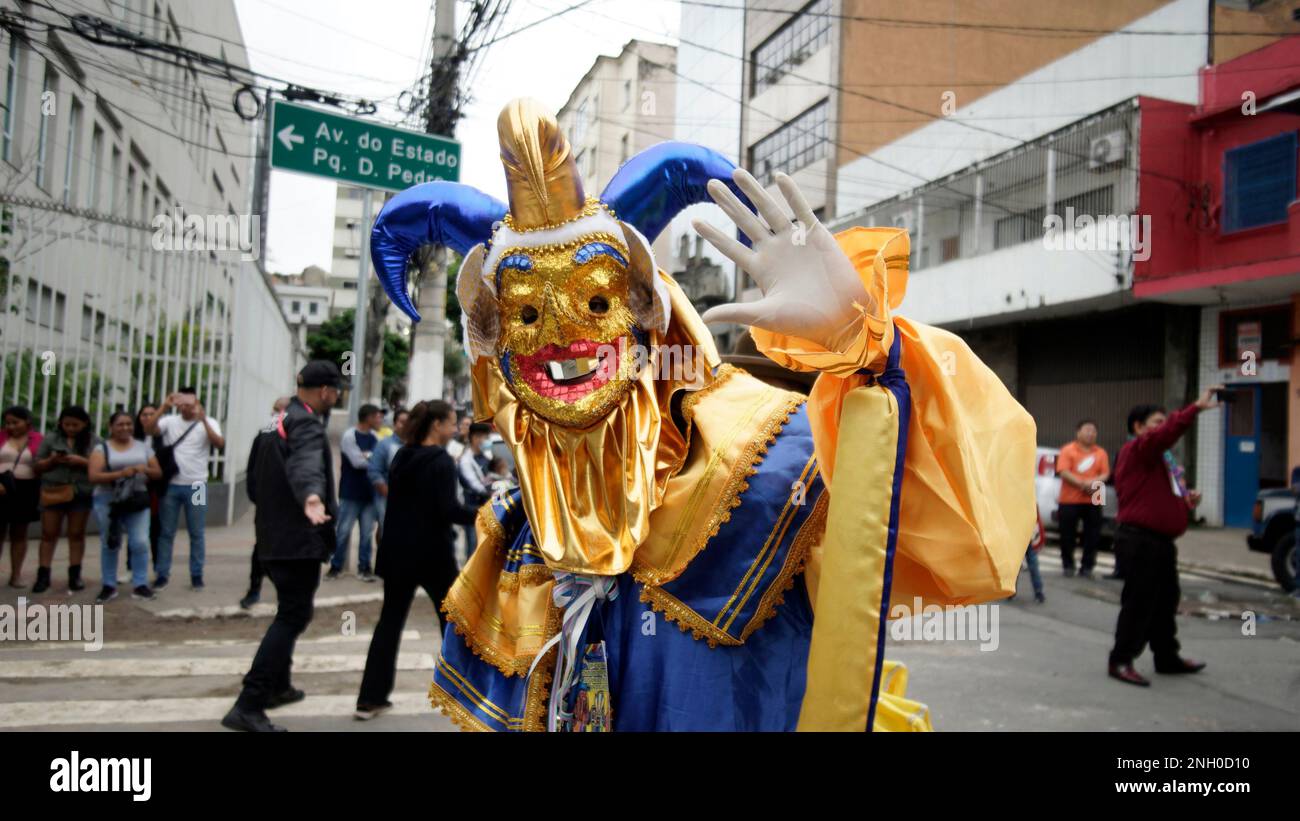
<point>416,550</point>
<point>291,480</point>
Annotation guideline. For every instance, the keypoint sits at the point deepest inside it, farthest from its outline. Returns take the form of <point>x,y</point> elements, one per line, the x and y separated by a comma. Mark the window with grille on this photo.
<point>801,37</point>
<point>798,143</point>
<point>1259,182</point>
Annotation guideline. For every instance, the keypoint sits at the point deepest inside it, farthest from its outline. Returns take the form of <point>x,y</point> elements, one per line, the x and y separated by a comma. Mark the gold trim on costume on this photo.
<point>447,704</point>
<point>812,531</point>
<point>773,541</point>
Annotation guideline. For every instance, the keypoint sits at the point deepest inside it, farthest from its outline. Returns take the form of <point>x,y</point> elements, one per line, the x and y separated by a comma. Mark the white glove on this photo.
<point>809,286</point>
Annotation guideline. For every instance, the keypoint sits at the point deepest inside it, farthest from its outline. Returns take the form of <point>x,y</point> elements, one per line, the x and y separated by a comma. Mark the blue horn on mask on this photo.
<point>437,213</point>
<point>659,183</point>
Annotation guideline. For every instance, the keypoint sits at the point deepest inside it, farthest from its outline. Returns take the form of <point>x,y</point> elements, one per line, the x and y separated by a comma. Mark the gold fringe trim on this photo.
<point>812,531</point>
<point>746,465</point>
<point>494,535</point>
<point>539,693</point>
<point>685,618</point>
<point>447,704</point>
<point>509,664</point>
<point>529,575</point>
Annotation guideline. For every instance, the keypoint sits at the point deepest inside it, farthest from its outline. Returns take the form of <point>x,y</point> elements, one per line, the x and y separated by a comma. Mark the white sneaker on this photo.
<point>369,711</point>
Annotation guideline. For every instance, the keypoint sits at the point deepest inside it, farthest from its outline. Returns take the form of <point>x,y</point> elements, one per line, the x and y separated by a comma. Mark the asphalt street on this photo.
<point>176,663</point>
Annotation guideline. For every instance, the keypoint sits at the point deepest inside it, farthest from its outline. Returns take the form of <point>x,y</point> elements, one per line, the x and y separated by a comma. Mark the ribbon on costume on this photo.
<point>577,595</point>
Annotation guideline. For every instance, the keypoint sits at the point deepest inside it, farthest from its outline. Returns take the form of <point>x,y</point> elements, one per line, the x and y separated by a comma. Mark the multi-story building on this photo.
<point>127,245</point>
<point>621,106</point>
<point>341,279</point>
<point>970,125</point>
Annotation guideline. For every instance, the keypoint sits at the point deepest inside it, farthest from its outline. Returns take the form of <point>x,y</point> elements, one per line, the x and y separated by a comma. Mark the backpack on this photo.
<point>166,454</point>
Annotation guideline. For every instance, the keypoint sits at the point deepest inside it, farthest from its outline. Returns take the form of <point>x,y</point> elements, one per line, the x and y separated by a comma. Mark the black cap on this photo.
<point>321,373</point>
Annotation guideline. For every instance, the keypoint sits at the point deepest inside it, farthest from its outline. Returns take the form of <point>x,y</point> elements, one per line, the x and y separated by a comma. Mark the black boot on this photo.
<point>74,578</point>
<point>42,580</point>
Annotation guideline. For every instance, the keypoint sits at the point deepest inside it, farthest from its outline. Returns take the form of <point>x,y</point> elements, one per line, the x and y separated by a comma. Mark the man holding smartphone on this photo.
<point>190,435</point>
<point>1154,503</point>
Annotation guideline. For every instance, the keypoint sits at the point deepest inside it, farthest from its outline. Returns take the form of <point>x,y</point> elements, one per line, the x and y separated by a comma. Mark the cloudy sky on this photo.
<point>329,45</point>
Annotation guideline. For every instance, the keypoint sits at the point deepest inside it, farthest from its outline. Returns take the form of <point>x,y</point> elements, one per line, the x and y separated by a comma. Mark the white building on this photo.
<point>101,307</point>
<point>623,105</point>
<point>342,276</point>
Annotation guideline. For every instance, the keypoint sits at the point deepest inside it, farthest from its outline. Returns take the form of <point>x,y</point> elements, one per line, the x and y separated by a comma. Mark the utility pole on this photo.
<point>429,336</point>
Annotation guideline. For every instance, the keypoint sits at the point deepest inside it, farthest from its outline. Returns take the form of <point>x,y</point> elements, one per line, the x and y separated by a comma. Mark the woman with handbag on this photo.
<point>19,486</point>
<point>121,468</point>
<point>62,462</point>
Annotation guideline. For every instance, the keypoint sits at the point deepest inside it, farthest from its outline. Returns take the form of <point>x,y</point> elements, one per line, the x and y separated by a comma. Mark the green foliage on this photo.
<point>333,340</point>
<point>45,394</point>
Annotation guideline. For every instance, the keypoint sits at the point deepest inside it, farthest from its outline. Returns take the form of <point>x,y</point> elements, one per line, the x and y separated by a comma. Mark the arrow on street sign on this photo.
<point>351,150</point>
<point>289,138</point>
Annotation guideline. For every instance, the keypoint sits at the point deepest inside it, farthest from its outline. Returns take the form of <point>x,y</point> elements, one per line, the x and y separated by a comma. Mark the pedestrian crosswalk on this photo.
<point>190,684</point>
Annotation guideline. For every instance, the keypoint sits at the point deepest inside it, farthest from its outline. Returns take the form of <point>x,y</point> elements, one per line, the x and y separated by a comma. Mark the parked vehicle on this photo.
<point>1274,532</point>
<point>1047,489</point>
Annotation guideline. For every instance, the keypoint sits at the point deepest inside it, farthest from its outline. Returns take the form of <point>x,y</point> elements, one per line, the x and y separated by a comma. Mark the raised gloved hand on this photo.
<point>810,289</point>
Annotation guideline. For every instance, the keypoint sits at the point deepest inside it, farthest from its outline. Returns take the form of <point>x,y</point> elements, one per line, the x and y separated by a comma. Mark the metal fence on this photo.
<point>94,313</point>
<point>1089,166</point>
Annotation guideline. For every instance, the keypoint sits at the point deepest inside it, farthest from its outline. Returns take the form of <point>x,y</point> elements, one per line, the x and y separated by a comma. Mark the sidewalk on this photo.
<point>1223,549</point>
<point>226,571</point>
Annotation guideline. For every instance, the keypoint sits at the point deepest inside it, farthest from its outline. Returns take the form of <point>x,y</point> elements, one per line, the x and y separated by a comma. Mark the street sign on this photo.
<point>350,150</point>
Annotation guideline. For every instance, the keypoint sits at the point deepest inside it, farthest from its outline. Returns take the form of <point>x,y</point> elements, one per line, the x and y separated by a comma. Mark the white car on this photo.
<point>1047,490</point>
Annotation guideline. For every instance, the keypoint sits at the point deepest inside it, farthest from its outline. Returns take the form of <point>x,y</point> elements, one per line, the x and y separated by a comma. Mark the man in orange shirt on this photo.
<point>1084,469</point>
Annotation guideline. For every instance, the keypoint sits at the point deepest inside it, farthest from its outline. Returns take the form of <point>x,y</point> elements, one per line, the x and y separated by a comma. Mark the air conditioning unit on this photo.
<point>1107,149</point>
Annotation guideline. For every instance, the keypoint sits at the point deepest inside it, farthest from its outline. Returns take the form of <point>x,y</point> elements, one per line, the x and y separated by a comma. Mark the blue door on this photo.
<point>1241,454</point>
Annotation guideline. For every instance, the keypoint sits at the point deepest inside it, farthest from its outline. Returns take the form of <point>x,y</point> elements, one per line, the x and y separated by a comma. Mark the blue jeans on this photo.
<point>350,511</point>
<point>1035,578</point>
<point>136,528</point>
<point>169,514</point>
<point>381,510</point>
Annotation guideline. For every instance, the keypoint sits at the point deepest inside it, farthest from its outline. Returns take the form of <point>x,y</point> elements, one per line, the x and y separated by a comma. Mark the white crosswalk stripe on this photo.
<point>154,678</point>
<point>169,710</point>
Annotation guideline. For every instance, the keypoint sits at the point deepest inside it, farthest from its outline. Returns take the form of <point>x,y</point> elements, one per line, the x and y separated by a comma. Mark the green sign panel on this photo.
<point>350,150</point>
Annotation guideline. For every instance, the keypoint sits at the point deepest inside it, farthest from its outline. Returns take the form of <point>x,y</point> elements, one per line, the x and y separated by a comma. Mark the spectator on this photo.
<point>380,461</point>
<point>1036,543</point>
<point>256,573</point>
<point>1154,504</point>
<point>121,467</point>
<point>416,550</point>
<point>499,477</point>
<point>457,444</point>
<point>186,439</point>
<point>157,487</point>
<point>1084,468</point>
<point>19,486</point>
<point>61,461</point>
<point>291,482</point>
<point>473,479</point>
<point>356,494</point>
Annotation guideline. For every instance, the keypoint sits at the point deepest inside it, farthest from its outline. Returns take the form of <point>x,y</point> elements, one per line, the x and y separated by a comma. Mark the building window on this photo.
<point>45,306</point>
<point>949,248</point>
<point>581,120</point>
<point>11,100</point>
<point>1027,226</point>
<point>313,308</point>
<point>295,307</point>
<point>96,160</point>
<point>624,149</point>
<point>801,37</point>
<point>44,134</point>
<point>627,94</point>
<point>1259,182</point>
<point>73,153</point>
<point>1256,333</point>
<point>798,143</point>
